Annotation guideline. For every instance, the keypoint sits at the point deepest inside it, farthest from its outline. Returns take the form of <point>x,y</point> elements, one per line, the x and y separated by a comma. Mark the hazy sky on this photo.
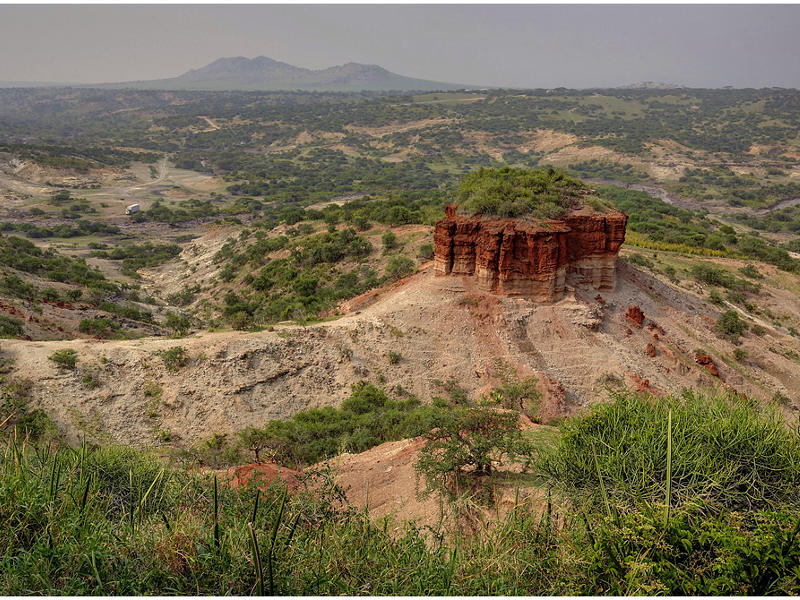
<point>497,45</point>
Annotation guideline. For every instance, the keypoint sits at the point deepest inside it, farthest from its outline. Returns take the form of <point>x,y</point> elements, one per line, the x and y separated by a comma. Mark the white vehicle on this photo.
<point>133,208</point>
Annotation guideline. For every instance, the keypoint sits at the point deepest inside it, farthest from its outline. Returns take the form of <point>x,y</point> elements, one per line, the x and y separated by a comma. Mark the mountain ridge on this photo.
<point>262,73</point>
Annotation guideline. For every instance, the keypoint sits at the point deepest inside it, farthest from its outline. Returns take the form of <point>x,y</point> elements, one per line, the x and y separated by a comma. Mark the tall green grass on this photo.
<point>90,520</point>
<point>725,451</point>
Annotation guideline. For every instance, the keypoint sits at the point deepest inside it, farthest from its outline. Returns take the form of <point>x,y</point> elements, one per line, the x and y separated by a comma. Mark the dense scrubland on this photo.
<point>738,146</point>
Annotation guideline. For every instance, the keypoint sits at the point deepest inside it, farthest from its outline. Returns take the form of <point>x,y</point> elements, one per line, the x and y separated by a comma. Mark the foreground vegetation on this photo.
<point>677,496</point>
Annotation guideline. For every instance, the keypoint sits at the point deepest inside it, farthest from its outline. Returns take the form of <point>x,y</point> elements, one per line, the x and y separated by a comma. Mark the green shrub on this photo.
<point>714,275</point>
<point>256,441</point>
<point>457,396</point>
<point>101,327</point>
<point>60,197</point>
<point>365,419</point>
<point>174,358</point>
<point>183,298</point>
<point>716,298</point>
<point>361,223</point>
<point>468,442</point>
<point>521,394</point>
<point>389,240</point>
<point>49,295</point>
<point>66,358</point>
<point>127,311</point>
<point>750,271</point>
<point>178,323</point>
<point>641,261</point>
<point>426,252</point>
<point>14,286</point>
<point>241,320</point>
<point>398,267</point>
<point>671,273</point>
<point>138,256</point>
<point>693,553</point>
<point>22,255</point>
<point>90,379</point>
<point>731,324</point>
<point>11,326</point>
<point>35,425</point>
<point>228,273</point>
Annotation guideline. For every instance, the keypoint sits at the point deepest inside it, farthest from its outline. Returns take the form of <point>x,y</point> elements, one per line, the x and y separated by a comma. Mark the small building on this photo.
<point>133,208</point>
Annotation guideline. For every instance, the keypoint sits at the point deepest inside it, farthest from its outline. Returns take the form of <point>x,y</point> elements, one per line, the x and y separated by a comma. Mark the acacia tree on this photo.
<point>468,443</point>
<point>256,440</point>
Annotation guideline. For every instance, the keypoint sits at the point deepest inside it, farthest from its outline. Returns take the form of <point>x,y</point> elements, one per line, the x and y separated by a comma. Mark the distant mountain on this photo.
<point>262,73</point>
<point>651,85</point>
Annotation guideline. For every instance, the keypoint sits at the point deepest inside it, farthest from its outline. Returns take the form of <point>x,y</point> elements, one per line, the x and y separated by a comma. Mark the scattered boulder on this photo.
<point>643,385</point>
<point>651,350</point>
<point>591,319</point>
<point>634,315</point>
<point>705,360</point>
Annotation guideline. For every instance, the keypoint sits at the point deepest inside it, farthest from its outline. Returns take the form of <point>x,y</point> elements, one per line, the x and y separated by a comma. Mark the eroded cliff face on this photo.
<point>511,256</point>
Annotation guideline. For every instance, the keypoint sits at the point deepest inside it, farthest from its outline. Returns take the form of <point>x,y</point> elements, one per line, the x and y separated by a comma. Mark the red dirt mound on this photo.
<point>265,473</point>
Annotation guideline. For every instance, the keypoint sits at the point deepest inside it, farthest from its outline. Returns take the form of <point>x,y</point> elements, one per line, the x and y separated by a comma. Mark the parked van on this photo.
<point>133,208</point>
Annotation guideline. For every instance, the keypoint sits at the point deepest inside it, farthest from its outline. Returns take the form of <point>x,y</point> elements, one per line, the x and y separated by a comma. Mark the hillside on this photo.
<point>270,308</point>
<point>262,74</point>
<point>442,327</point>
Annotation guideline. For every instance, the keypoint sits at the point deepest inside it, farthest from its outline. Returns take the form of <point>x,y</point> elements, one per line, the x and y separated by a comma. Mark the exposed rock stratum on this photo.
<point>527,258</point>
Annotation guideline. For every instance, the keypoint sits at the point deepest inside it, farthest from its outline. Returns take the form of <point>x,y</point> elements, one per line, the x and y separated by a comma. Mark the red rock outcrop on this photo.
<point>634,315</point>
<point>511,256</point>
<point>650,350</point>
<point>706,361</point>
<point>643,385</point>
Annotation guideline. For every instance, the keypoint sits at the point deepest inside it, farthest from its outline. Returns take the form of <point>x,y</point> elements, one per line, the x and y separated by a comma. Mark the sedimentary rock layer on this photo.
<point>510,256</point>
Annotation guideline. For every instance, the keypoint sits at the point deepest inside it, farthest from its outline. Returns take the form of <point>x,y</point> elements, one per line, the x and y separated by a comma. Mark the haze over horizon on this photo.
<point>525,46</point>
